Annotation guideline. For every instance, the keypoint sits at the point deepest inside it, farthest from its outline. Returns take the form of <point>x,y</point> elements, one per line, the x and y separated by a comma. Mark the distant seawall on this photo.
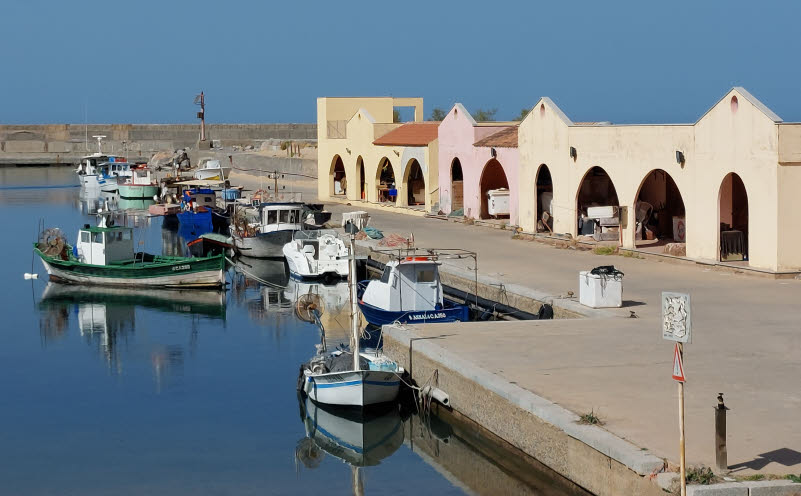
<point>66,143</point>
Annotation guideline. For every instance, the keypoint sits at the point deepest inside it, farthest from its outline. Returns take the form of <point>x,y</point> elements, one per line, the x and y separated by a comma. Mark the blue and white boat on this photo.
<point>195,214</point>
<point>409,291</point>
<point>98,171</point>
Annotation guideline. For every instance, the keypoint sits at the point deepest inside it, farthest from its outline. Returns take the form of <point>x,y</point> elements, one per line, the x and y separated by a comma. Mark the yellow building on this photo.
<point>364,155</point>
<point>728,184</point>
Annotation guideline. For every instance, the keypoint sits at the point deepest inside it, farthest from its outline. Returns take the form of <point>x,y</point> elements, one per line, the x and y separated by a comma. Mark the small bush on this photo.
<point>754,477</point>
<point>700,475</point>
<point>605,250</point>
<point>590,418</point>
<point>795,478</point>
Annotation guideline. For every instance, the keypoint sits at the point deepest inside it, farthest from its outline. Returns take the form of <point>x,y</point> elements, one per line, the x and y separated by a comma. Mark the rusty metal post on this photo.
<point>721,453</point>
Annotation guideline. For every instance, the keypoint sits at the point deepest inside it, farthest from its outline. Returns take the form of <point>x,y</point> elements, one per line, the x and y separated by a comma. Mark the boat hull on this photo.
<point>187,273</point>
<point>355,388</point>
<point>212,174</point>
<point>264,245</point>
<point>452,312</point>
<point>199,222</point>
<point>137,191</point>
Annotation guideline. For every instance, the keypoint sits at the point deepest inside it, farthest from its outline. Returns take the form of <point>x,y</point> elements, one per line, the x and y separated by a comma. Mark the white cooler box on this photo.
<point>600,292</point>
<point>498,202</point>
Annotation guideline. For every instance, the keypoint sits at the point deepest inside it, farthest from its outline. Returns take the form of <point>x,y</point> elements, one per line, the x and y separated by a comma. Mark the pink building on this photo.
<point>475,158</point>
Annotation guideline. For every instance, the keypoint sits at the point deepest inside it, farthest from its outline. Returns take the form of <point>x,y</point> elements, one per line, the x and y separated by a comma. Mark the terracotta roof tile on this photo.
<point>506,138</point>
<point>411,134</point>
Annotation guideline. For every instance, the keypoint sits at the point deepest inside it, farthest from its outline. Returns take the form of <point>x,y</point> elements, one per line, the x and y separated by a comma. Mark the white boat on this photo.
<point>317,254</point>
<point>266,238</point>
<point>212,170</point>
<point>98,171</point>
<point>354,378</point>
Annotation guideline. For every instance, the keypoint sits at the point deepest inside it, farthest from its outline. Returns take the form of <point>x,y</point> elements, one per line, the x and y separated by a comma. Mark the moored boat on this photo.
<point>212,170</point>
<point>317,254</point>
<point>409,291</point>
<point>104,255</point>
<point>139,185</point>
<point>266,237</point>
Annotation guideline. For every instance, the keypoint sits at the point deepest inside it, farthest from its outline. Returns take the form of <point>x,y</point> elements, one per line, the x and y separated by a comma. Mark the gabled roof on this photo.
<point>751,98</point>
<point>411,134</point>
<point>506,138</point>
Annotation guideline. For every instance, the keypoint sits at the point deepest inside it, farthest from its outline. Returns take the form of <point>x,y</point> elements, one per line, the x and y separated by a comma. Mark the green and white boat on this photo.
<point>139,185</point>
<point>104,255</point>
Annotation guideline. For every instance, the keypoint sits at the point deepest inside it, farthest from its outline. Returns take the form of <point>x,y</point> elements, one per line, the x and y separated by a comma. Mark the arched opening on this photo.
<point>415,184</point>
<point>597,206</point>
<point>362,179</point>
<point>457,185</point>
<point>494,191</point>
<point>659,216</point>
<point>339,182</point>
<point>733,219</point>
<point>544,199</point>
<point>385,180</point>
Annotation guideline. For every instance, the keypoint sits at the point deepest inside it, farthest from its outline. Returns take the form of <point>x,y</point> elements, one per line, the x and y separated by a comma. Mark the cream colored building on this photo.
<point>364,155</point>
<point>730,183</point>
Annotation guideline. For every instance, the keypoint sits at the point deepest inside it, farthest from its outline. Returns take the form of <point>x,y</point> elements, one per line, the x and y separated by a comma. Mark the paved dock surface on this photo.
<point>747,344</point>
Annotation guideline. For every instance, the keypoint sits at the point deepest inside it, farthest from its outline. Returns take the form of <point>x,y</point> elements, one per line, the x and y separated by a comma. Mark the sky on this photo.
<point>263,61</point>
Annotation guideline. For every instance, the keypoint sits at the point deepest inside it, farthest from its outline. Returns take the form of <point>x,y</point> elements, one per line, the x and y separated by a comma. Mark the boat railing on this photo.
<point>314,234</point>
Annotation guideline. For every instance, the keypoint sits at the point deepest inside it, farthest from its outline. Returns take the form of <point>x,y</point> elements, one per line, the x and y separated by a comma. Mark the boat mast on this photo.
<point>354,308</point>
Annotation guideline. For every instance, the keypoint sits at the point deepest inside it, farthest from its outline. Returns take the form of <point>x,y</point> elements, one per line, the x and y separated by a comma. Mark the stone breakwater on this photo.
<point>45,144</point>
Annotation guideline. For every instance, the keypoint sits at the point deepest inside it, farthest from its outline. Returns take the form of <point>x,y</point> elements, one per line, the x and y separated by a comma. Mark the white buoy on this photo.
<point>28,275</point>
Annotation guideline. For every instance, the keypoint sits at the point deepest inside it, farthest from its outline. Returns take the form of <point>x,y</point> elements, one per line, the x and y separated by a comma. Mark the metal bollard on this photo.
<point>721,454</point>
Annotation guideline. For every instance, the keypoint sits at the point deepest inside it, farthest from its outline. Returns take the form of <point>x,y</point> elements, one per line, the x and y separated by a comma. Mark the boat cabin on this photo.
<point>281,217</point>
<point>200,198</point>
<point>104,245</point>
<point>409,284</point>
<point>114,168</point>
<point>141,177</point>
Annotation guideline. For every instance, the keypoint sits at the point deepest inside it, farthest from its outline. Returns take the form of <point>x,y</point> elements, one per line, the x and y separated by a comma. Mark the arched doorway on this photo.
<point>339,182</point>
<point>362,179</point>
<point>457,185</point>
<point>493,178</point>
<point>596,190</point>
<point>733,219</point>
<point>544,199</point>
<point>659,215</point>
<point>385,181</point>
<point>415,184</point>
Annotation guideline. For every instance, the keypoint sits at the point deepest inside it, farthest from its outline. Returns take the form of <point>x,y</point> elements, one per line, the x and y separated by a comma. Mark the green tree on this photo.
<point>437,114</point>
<point>481,115</point>
<point>395,115</point>
<point>523,113</point>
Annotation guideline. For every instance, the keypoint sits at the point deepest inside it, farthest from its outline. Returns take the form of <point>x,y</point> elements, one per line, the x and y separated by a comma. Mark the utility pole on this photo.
<point>201,100</point>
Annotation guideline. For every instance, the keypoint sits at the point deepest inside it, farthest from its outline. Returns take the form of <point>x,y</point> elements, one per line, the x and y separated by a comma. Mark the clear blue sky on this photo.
<point>261,61</point>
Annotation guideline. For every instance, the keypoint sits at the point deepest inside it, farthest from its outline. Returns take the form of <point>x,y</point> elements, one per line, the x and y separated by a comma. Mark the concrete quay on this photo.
<point>747,344</point>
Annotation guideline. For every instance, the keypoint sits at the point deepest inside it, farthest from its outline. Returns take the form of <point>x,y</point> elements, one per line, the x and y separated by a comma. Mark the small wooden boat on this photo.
<point>409,291</point>
<point>104,255</point>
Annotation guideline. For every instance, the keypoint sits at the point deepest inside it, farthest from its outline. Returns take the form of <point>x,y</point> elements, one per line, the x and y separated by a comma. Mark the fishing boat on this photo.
<point>104,255</point>
<point>139,185</point>
<point>266,237</point>
<point>347,378</point>
<point>409,291</point>
<point>98,171</point>
<point>212,170</point>
<point>317,254</point>
<point>196,207</point>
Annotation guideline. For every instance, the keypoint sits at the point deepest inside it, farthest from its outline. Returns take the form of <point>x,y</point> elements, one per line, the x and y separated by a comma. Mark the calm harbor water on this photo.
<point>143,392</point>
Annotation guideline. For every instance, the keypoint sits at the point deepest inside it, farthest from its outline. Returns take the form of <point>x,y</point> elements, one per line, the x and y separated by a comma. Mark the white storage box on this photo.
<point>596,291</point>
<point>359,218</point>
<point>601,212</point>
<point>498,201</point>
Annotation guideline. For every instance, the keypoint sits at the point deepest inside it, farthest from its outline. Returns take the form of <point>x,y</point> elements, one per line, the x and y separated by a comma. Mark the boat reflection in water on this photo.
<point>106,316</point>
<point>358,439</point>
